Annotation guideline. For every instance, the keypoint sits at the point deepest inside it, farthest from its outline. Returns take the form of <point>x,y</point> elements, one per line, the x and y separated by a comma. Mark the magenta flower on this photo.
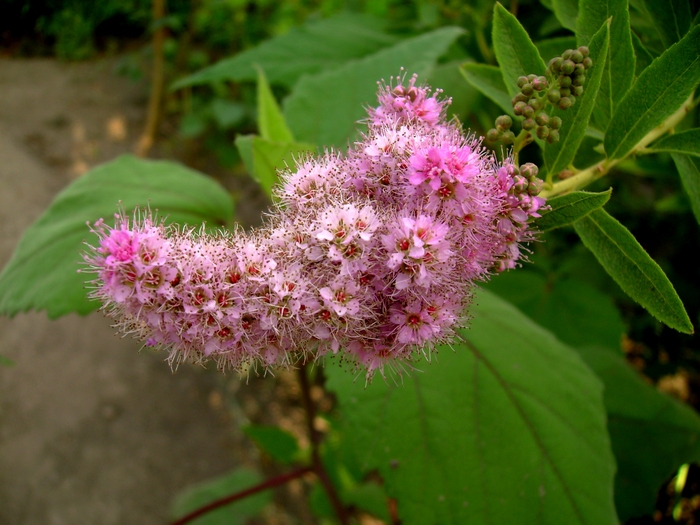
<point>372,255</point>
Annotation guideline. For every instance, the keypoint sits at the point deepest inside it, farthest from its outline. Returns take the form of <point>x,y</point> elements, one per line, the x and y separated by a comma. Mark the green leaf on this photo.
<point>42,273</point>
<point>271,123</point>
<point>552,47</point>
<point>566,12</point>
<point>237,513</point>
<point>278,443</point>
<point>244,143</point>
<point>509,425</point>
<point>227,113</point>
<point>4,361</point>
<point>559,155</point>
<point>567,209</point>
<point>448,77</point>
<point>644,58</point>
<point>652,434</point>
<point>659,91</point>
<point>576,312</point>
<point>686,142</point>
<point>637,274</point>
<point>324,108</point>
<point>488,80</point>
<point>619,69</point>
<point>689,170</point>
<point>671,19</point>
<point>515,52</point>
<point>312,48</point>
<point>369,497</point>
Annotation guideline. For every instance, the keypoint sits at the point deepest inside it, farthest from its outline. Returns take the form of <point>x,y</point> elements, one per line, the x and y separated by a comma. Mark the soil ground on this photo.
<point>91,431</point>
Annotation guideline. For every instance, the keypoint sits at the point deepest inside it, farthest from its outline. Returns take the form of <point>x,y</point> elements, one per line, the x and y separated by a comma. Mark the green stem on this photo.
<point>595,172</point>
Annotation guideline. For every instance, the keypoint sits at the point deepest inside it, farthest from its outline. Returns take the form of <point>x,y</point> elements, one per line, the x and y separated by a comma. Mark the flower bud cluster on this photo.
<point>370,255</point>
<point>564,80</point>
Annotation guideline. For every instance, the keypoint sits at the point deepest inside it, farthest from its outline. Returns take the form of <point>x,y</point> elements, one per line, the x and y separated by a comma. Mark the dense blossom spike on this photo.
<point>370,255</point>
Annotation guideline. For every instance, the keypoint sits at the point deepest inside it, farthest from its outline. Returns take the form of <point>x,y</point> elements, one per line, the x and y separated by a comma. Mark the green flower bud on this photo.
<point>528,111</point>
<point>542,119</point>
<point>577,57</point>
<point>579,69</point>
<point>553,136</point>
<point>529,123</point>
<point>565,92</point>
<point>555,64</point>
<point>579,80</point>
<point>504,122</point>
<point>535,104</point>
<point>554,123</point>
<point>566,55</point>
<point>564,81</point>
<point>531,77</point>
<point>553,96</point>
<point>565,103</point>
<point>577,91</point>
<point>584,51</point>
<point>539,84</point>
<point>518,98</point>
<point>542,132</point>
<point>568,67</point>
<point>535,187</point>
<point>522,81</point>
<point>493,135</point>
<point>518,108</point>
<point>508,137</point>
<point>529,171</point>
<point>527,90</point>
<point>587,62</point>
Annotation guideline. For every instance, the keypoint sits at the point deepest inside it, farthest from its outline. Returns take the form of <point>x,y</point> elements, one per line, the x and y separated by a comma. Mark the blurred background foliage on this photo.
<point>207,106</point>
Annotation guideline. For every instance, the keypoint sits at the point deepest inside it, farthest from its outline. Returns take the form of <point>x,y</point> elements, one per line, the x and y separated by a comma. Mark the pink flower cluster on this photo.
<point>371,255</point>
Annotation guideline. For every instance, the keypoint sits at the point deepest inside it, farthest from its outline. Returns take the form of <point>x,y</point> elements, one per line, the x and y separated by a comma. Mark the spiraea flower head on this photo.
<point>372,255</point>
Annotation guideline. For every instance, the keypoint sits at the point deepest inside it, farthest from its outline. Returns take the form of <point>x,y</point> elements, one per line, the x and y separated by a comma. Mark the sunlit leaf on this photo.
<point>516,54</point>
<point>312,48</point>
<point>567,209</point>
<point>637,274</point>
<point>620,67</point>
<point>237,513</point>
<point>271,123</point>
<point>507,428</point>
<point>42,273</point>
<point>659,91</point>
<point>324,108</point>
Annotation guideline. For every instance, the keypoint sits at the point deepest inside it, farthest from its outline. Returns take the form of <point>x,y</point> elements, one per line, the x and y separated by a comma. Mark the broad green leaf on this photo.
<point>619,69</point>
<point>237,513</point>
<point>488,80</point>
<point>270,157</point>
<point>507,428</point>
<point>447,77</point>
<point>566,12</point>
<point>685,142</point>
<point>312,48</point>
<point>278,443</point>
<point>559,155</point>
<point>244,143</point>
<point>42,273</point>
<point>637,274</point>
<point>670,17</point>
<point>567,209</point>
<point>371,498</point>
<point>4,361</point>
<point>515,52</point>
<point>553,47</point>
<point>643,57</point>
<point>659,91</point>
<point>271,123</point>
<point>689,170</point>
<point>652,434</point>
<point>324,108</point>
<point>577,313</point>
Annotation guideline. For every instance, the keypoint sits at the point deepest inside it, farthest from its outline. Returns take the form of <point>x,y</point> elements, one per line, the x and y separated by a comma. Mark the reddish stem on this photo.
<point>267,484</point>
<point>315,438</point>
